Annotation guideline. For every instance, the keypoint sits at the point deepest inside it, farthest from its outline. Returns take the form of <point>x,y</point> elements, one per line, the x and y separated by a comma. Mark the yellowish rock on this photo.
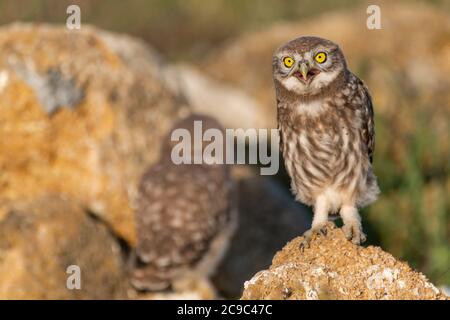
<point>40,239</point>
<point>82,113</point>
<point>334,268</point>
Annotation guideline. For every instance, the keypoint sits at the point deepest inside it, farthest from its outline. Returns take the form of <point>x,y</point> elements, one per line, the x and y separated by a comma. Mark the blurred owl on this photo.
<point>325,119</point>
<point>185,217</point>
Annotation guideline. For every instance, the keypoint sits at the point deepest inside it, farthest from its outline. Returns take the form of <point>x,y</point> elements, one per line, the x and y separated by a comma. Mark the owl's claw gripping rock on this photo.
<point>353,232</point>
<point>308,235</point>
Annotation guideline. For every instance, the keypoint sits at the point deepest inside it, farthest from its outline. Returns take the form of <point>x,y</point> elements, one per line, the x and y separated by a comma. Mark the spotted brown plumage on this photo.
<point>325,119</point>
<point>184,217</point>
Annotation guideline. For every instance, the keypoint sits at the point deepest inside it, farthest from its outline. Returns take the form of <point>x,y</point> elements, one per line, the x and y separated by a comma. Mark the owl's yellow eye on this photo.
<point>321,57</point>
<point>288,61</point>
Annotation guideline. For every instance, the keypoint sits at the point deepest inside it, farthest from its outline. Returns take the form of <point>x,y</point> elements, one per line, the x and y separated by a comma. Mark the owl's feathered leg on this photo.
<point>352,224</point>
<point>319,223</point>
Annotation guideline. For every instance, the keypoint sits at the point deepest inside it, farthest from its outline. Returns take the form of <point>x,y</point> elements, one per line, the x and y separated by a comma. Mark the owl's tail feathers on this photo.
<point>371,191</point>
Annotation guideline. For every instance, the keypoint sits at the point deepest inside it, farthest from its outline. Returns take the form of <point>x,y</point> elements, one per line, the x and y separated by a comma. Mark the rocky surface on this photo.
<point>41,238</point>
<point>83,113</point>
<point>334,268</point>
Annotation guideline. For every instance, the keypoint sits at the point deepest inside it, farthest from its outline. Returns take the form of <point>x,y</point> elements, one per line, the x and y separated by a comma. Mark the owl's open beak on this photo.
<point>305,73</point>
<point>304,70</point>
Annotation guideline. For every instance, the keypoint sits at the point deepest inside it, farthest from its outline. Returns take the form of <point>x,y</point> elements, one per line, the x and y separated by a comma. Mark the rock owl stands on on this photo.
<point>325,118</point>
<point>184,217</point>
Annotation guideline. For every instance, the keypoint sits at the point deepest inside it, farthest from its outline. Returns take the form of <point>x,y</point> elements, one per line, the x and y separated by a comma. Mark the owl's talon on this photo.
<point>354,233</point>
<point>302,246</point>
<point>359,239</point>
<point>308,235</point>
<point>347,231</point>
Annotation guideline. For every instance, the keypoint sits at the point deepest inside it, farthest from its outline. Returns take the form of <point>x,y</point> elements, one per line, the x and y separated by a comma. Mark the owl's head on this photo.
<point>307,65</point>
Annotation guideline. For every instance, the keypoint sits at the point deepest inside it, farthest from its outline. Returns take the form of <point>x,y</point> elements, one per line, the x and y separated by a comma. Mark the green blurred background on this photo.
<point>412,160</point>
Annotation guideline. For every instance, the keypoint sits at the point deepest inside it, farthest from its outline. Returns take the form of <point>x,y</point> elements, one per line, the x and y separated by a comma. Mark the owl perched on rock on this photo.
<point>184,217</point>
<point>325,119</point>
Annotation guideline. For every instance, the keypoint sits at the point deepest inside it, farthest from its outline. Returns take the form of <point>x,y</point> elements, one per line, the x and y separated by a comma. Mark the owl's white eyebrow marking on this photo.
<point>308,55</point>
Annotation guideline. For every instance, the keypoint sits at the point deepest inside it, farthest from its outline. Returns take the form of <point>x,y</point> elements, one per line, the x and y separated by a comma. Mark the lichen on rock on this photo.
<point>334,268</point>
<point>82,115</point>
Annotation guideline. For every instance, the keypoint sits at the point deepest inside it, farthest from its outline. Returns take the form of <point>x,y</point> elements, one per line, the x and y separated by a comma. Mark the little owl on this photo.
<point>184,216</point>
<point>325,119</point>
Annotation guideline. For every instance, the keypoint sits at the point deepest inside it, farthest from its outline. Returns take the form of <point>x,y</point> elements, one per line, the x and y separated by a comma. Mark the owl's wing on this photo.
<point>368,127</point>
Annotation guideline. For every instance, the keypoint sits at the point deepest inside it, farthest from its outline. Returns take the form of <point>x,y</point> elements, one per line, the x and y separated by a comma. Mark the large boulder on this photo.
<point>334,268</point>
<point>82,114</point>
<point>40,239</point>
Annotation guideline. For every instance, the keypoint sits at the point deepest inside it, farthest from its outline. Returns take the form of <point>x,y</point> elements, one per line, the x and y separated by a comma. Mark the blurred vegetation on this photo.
<point>177,28</point>
<point>411,218</point>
